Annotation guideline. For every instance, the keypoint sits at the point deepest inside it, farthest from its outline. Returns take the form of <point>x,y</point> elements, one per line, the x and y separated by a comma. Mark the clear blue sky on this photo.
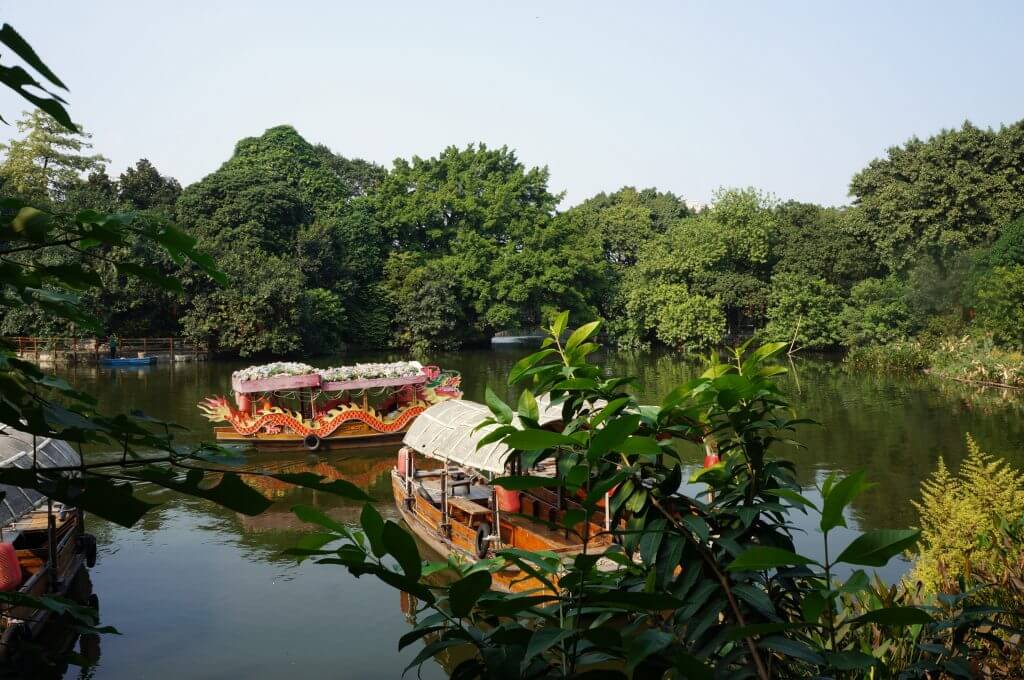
<point>790,97</point>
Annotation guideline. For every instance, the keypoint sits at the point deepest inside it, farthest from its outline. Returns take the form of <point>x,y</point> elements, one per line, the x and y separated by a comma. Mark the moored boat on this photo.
<point>127,361</point>
<point>455,510</point>
<point>43,544</point>
<point>287,406</point>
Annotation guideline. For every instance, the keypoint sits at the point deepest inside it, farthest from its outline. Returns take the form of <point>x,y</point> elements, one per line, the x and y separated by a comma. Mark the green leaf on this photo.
<point>336,487</point>
<point>464,593</point>
<point>612,435</point>
<point>581,334</point>
<point>531,440</point>
<point>502,412</point>
<point>793,497</point>
<point>792,648</point>
<point>401,545</point>
<point>519,369</point>
<point>542,640</point>
<point>528,406</point>
<point>373,527</point>
<point>876,548</point>
<point>230,492</point>
<point>560,323</point>
<point>850,661</point>
<point>762,557</point>
<point>645,644</point>
<point>640,446</point>
<point>838,497</point>
<point>895,616</point>
<point>312,515</point>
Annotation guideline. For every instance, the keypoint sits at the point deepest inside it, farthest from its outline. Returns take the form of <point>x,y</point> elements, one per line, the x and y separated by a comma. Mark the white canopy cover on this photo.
<point>445,431</point>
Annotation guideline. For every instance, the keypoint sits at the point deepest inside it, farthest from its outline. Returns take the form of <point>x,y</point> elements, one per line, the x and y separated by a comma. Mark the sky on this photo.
<point>790,97</point>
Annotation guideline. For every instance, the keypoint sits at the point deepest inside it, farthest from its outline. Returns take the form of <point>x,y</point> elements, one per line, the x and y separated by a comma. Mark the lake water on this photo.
<point>201,592</point>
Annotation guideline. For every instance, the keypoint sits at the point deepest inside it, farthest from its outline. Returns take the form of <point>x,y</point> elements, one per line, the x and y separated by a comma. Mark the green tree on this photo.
<point>424,203</point>
<point>481,220</point>
<point>722,254</point>
<point>936,197</point>
<point>142,187</point>
<point>876,313</point>
<point>47,160</point>
<point>827,242</point>
<point>1000,305</point>
<point>280,218</point>
<point>804,311</point>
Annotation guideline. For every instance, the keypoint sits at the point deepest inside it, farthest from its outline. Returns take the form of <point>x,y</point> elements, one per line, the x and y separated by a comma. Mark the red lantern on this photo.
<point>508,501</point>
<point>10,568</point>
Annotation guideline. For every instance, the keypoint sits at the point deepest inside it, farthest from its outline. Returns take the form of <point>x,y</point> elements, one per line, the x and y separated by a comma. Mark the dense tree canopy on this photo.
<point>291,232</point>
<point>936,197</point>
<point>442,251</point>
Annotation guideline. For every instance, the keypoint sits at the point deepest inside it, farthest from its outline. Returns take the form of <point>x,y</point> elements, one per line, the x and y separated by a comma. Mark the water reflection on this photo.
<point>194,581</point>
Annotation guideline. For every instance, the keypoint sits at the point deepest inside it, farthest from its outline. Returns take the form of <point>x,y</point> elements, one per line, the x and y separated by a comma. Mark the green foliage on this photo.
<point>289,228</point>
<point>804,311</point>
<point>876,313</point>
<point>823,242</point>
<point>47,161</point>
<point>896,357</point>
<point>977,360</point>
<point>999,298</point>
<point>694,586</point>
<point>478,224</point>
<point>936,197</point>
<point>671,314</point>
<point>956,509</point>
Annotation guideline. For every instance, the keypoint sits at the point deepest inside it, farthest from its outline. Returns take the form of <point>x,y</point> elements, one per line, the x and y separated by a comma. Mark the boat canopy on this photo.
<point>16,451</point>
<point>447,431</point>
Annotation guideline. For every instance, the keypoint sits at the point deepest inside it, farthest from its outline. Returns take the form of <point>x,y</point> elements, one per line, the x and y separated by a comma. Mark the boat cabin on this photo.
<point>43,544</point>
<point>290,405</point>
<point>442,486</point>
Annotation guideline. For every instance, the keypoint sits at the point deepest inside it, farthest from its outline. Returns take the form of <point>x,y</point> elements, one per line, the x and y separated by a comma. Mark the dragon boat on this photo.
<point>288,406</point>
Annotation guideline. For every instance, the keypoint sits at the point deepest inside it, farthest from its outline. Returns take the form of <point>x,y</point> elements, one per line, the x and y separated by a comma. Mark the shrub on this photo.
<point>898,357</point>
<point>977,360</point>
<point>956,509</point>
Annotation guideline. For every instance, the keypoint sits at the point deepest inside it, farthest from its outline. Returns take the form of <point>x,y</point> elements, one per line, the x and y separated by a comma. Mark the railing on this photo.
<point>90,349</point>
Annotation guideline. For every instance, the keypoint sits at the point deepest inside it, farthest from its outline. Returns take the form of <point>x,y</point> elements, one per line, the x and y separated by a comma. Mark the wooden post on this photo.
<point>172,350</point>
<point>51,546</point>
<point>444,499</point>
<point>36,343</point>
<point>96,350</point>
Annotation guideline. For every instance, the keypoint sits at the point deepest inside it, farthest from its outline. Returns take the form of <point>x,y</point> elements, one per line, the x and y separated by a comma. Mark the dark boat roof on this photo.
<point>16,451</point>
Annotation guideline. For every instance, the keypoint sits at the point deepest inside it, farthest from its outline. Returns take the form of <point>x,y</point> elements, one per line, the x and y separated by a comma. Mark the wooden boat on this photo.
<point>48,539</point>
<point>454,509</point>
<point>328,409</point>
<point>127,361</point>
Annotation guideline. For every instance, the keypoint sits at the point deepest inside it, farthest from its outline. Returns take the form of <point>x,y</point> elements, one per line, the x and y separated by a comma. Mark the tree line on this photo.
<point>442,252</point>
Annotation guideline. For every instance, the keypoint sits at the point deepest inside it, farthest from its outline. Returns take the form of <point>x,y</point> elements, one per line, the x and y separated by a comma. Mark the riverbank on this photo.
<point>965,359</point>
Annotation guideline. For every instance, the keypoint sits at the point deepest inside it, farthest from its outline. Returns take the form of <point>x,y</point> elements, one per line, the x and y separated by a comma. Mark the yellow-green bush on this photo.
<point>956,509</point>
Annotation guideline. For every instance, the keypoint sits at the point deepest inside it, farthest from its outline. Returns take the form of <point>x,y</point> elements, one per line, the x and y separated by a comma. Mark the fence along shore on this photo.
<point>91,350</point>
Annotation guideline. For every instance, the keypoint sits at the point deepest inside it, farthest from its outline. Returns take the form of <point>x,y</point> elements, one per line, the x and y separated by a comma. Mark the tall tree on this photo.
<point>48,160</point>
<point>284,224</point>
<point>936,197</point>
<point>479,219</point>
<point>142,187</point>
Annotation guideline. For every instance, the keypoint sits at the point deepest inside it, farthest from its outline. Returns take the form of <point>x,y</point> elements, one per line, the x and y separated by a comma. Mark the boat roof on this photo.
<point>16,451</point>
<point>447,431</point>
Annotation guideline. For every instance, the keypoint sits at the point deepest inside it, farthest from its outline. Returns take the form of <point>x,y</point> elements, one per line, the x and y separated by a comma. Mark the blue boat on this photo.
<point>128,361</point>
